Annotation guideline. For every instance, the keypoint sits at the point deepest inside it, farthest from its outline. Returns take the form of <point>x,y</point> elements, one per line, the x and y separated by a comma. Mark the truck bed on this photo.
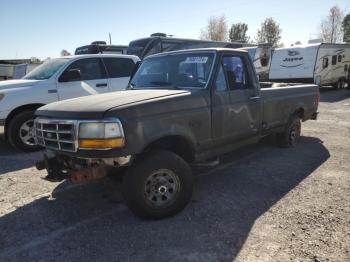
<point>286,100</point>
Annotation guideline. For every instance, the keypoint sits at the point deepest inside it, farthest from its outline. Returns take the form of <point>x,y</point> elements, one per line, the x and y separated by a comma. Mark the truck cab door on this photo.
<point>236,107</point>
<point>92,79</point>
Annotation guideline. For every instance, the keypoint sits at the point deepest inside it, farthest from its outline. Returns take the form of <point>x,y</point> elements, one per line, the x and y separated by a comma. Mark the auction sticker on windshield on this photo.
<point>196,60</point>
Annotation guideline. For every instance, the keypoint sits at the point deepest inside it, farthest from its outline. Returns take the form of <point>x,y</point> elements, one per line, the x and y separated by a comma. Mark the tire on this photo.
<point>19,132</point>
<point>157,186</point>
<point>340,84</point>
<point>291,134</point>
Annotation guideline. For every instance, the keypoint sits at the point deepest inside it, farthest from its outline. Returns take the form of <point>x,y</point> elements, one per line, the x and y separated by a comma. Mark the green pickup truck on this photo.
<point>181,108</point>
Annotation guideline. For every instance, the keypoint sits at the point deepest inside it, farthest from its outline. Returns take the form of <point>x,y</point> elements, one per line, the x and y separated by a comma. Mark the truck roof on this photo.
<point>210,49</point>
<point>101,55</point>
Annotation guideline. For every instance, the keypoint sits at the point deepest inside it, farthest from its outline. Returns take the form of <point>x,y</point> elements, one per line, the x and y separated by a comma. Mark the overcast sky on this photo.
<point>42,28</point>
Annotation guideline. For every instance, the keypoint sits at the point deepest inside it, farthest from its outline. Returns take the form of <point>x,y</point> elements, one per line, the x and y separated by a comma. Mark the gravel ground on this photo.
<point>262,204</point>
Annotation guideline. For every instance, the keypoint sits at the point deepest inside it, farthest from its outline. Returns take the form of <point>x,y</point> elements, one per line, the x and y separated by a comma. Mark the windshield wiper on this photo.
<point>130,86</point>
<point>165,84</point>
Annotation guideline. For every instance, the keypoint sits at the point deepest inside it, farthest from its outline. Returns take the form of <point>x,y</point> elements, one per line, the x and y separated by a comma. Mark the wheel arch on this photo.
<point>177,144</point>
<point>300,112</point>
<point>17,110</point>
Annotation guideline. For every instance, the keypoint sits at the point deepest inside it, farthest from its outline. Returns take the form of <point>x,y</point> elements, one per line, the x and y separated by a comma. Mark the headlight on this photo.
<point>2,96</point>
<point>101,135</point>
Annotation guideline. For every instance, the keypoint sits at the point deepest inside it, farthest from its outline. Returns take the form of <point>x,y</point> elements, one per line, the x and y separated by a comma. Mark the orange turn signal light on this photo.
<point>101,143</point>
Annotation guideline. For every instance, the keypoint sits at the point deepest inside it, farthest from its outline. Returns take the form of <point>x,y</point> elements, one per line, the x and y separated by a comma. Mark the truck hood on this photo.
<point>9,84</point>
<point>95,106</point>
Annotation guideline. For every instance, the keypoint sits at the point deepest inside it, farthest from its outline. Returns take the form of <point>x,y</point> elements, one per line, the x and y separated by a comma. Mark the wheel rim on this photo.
<point>26,133</point>
<point>293,135</point>
<point>161,188</point>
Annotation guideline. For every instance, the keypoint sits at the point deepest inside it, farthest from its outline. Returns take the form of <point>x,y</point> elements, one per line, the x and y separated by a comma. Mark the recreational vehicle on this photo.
<point>322,64</point>
<point>159,43</point>
<point>101,47</point>
<point>261,56</point>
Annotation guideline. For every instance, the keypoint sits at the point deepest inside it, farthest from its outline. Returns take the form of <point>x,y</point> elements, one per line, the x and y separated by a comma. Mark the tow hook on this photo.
<point>88,174</point>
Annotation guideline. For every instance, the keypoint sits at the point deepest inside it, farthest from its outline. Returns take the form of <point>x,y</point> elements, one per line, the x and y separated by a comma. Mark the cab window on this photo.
<point>90,69</point>
<point>119,67</point>
<point>220,83</point>
<point>234,70</point>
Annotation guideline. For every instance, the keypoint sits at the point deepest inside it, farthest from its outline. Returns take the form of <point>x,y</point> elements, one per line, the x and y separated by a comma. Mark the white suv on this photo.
<point>57,79</point>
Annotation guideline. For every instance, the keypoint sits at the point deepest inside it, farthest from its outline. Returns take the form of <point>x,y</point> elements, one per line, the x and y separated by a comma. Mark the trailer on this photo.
<point>323,64</point>
<point>261,56</point>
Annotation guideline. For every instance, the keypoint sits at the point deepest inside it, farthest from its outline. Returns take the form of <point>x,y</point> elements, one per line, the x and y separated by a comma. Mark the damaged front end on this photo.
<point>61,167</point>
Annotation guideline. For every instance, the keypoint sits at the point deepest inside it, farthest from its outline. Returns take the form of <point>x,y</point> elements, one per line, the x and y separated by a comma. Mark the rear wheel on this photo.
<point>340,84</point>
<point>291,134</point>
<point>20,132</point>
<point>158,186</point>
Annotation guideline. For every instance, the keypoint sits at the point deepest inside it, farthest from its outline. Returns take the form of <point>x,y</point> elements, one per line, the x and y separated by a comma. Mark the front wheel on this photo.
<point>20,132</point>
<point>291,134</point>
<point>158,186</point>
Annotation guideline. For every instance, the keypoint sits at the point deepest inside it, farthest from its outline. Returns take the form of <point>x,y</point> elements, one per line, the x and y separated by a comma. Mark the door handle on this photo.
<point>254,97</point>
<point>101,85</point>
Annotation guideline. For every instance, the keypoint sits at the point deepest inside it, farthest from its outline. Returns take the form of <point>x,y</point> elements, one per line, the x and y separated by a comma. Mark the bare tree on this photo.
<point>64,52</point>
<point>216,29</point>
<point>331,27</point>
<point>270,32</point>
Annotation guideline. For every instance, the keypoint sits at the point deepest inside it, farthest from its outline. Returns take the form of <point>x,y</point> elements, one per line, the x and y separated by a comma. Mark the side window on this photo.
<point>220,82</point>
<point>90,69</point>
<point>334,60</point>
<point>235,72</point>
<point>325,62</point>
<point>339,58</point>
<point>119,67</point>
<point>156,48</point>
<point>169,46</point>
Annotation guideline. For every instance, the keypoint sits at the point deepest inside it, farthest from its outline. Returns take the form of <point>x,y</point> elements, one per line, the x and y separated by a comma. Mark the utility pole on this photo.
<point>110,39</point>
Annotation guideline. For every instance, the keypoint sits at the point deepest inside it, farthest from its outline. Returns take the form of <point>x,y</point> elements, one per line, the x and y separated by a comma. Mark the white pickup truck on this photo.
<point>57,79</point>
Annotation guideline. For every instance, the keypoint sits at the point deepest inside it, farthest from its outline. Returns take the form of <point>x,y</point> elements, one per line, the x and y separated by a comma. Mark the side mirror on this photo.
<point>70,75</point>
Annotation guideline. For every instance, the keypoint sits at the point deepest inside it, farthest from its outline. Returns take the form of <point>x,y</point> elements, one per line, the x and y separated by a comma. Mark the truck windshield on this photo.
<point>46,70</point>
<point>174,71</point>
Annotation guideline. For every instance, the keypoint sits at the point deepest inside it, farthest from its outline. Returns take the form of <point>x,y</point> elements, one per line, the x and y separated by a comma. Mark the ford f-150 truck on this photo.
<point>57,79</point>
<point>181,108</point>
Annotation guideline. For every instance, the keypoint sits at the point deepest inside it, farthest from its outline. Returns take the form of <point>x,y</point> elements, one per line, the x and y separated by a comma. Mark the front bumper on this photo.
<point>60,167</point>
<point>2,127</point>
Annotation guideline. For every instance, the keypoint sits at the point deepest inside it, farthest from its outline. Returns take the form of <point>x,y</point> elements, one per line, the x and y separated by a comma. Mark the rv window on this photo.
<point>339,58</point>
<point>169,46</point>
<point>325,62</point>
<point>334,60</point>
<point>264,60</point>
